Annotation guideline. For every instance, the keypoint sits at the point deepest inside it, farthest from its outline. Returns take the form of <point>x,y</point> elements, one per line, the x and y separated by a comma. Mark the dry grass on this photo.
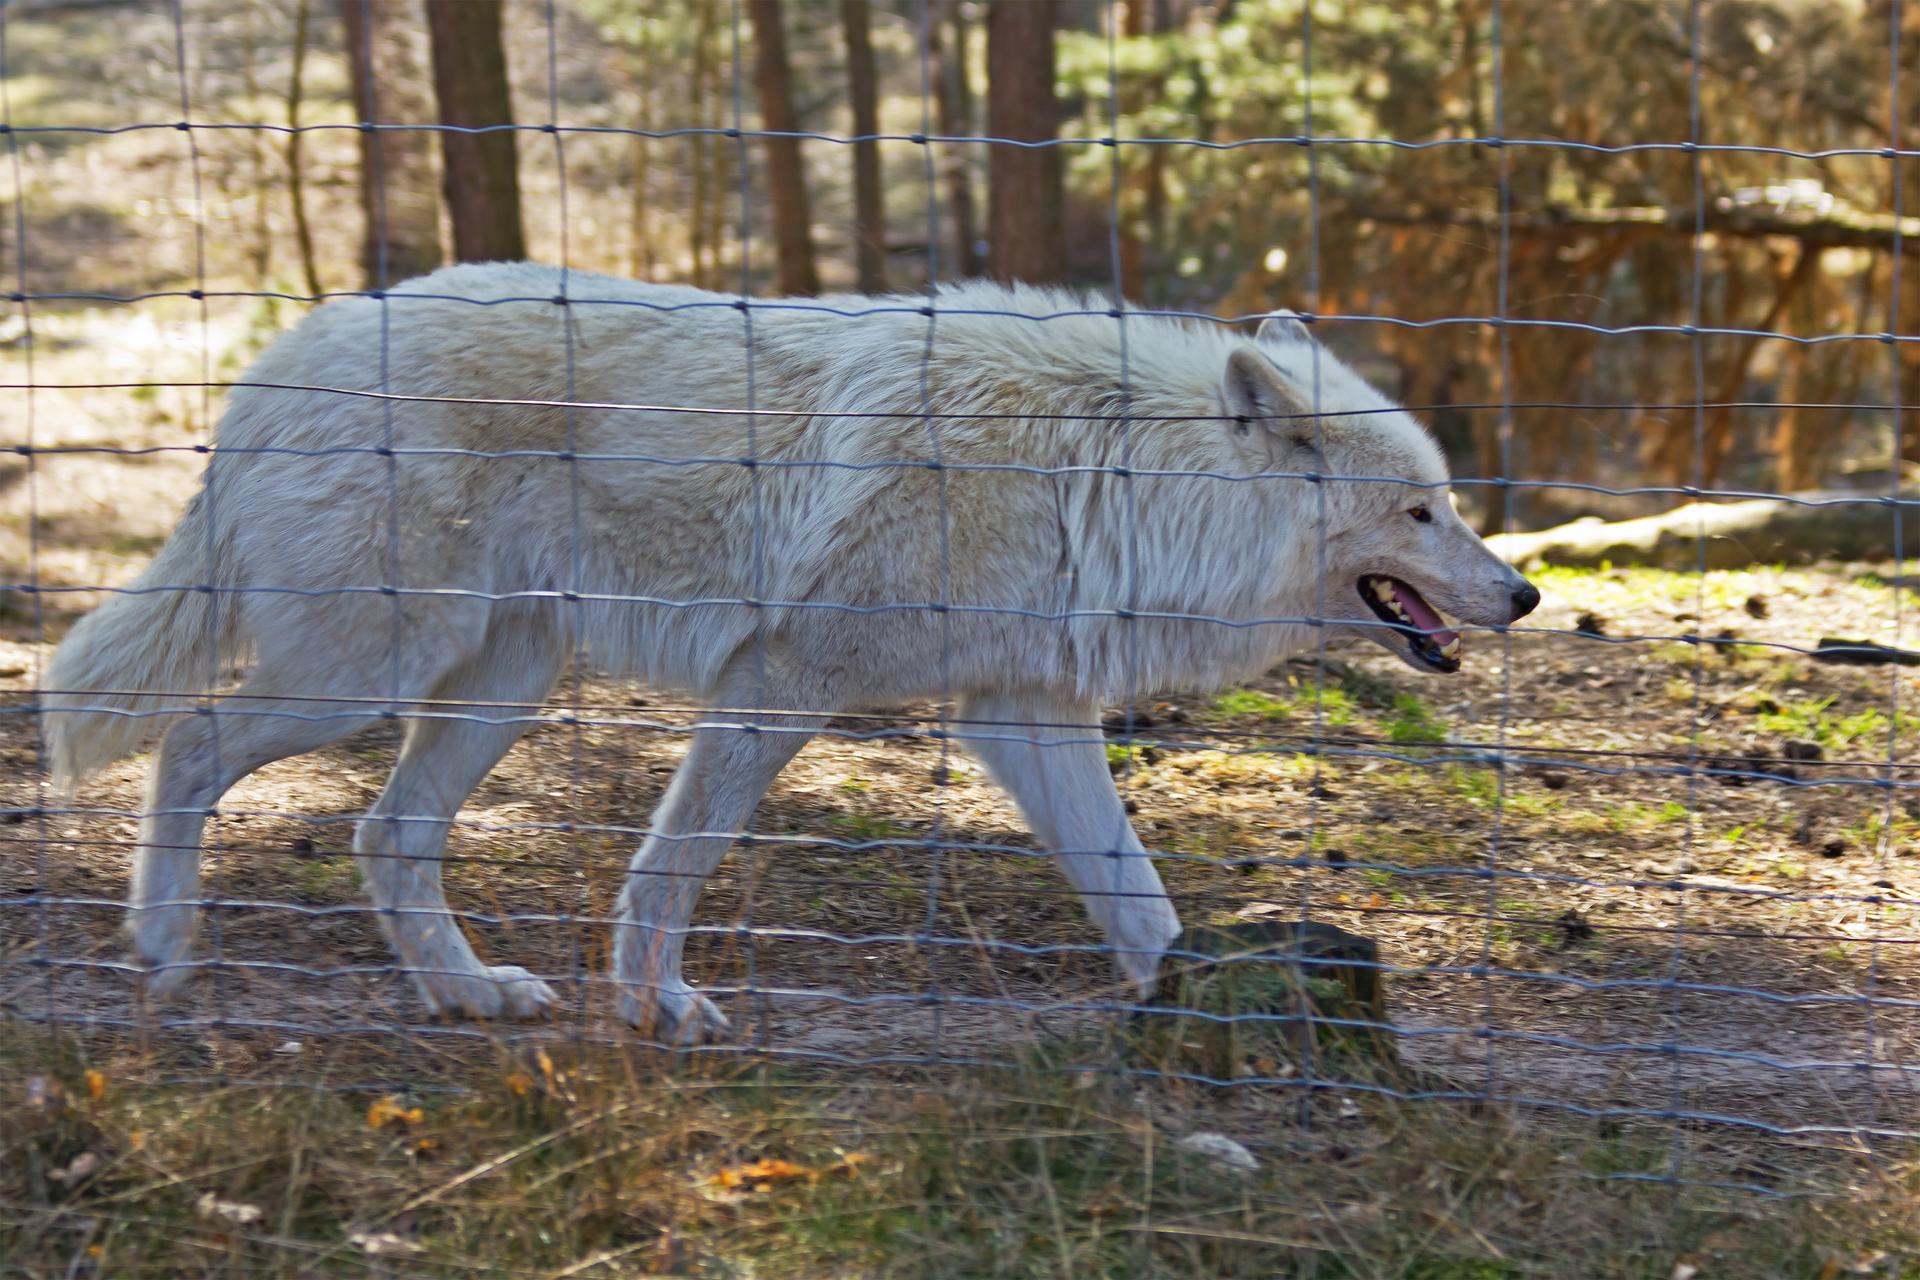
<point>622,1163</point>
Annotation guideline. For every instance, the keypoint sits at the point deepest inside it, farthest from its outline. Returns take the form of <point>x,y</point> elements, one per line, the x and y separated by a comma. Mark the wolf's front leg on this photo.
<point>733,760</point>
<point>1048,753</point>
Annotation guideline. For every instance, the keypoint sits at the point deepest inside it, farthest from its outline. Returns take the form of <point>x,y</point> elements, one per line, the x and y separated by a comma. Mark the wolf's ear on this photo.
<point>1259,400</point>
<point>1283,328</point>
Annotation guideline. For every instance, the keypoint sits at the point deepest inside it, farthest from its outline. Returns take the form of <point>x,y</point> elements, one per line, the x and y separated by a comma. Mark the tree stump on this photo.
<point>1264,998</point>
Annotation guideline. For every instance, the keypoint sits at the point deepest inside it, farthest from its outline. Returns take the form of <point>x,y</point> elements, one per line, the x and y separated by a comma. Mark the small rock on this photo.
<point>1756,607</point>
<point>79,1170</point>
<point>1552,781</point>
<point>288,1048</point>
<point>301,847</point>
<point>212,1208</point>
<point>1833,848</point>
<point>1764,706</point>
<point>1590,624</point>
<point>1131,806</point>
<point>1319,792</point>
<point>1115,722</point>
<point>1219,1148</point>
<point>384,1244</point>
<point>1338,857</point>
<point>1801,749</point>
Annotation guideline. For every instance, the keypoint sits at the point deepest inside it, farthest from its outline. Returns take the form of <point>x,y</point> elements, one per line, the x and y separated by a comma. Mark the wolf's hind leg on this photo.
<point>199,760</point>
<point>1048,754</point>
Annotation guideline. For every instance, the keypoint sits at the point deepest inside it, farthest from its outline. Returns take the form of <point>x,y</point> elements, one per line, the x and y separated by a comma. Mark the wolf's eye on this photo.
<point>1421,514</point>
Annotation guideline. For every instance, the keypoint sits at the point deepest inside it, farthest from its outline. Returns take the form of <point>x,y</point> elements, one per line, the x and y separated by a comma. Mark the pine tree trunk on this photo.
<point>399,196</point>
<point>1026,214</point>
<point>954,105</point>
<point>481,171</point>
<point>869,206</point>
<point>296,159</point>
<point>786,180</point>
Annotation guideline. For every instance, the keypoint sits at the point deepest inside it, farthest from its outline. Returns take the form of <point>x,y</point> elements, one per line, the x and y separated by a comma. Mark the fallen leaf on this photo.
<point>546,1068</point>
<point>760,1173</point>
<point>96,1085</point>
<point>520,1082</point>
<point>390,1110</point>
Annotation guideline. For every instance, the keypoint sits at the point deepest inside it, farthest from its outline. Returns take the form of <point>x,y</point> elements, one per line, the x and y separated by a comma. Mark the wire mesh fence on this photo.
<point>1642,860</point>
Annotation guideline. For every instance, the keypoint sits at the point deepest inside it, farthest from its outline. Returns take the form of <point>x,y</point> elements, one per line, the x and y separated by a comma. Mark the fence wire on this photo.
<point>881,910</point>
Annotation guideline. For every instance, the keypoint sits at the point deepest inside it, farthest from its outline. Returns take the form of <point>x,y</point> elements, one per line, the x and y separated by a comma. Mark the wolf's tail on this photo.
<point>142,655</point>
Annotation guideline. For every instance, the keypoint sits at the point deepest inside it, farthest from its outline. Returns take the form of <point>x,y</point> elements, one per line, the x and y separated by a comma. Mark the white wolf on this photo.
<point>976,505</point>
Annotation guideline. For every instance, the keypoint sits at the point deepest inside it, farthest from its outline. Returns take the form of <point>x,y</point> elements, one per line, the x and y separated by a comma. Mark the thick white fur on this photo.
<point>670,541</point>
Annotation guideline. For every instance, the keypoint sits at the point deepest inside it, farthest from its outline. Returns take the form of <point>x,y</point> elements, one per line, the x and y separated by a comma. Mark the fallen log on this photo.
<point>1804,528</point>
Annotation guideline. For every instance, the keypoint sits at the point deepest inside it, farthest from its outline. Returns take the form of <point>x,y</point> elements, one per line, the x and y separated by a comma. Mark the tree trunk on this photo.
<point>296,161</point>
<point>953,105</point>
<point>869,206</point>
<point>1026,201</point>
<point>641,70</point>
<point>399,199</point>
<point>702,151</point>
<point>481,169</point>
<point>786,180</point>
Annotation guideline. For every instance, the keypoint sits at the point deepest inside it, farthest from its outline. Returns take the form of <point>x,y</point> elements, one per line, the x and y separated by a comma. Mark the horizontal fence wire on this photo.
<point>922,929</point>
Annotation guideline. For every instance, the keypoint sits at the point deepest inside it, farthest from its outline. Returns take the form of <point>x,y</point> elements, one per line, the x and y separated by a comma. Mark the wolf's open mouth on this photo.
<point>1407,612</point>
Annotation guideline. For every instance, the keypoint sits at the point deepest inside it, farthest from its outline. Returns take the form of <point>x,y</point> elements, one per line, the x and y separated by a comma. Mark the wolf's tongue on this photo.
<point>1422,615</point>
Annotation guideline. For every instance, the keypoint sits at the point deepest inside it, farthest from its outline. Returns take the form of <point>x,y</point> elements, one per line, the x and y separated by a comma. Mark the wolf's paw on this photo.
<point>504,991</point>
<point>164,981</point>
<point>673,1013</point>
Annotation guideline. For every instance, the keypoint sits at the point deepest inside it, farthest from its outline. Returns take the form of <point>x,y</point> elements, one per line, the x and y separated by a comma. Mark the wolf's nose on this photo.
<point>1526,598</point>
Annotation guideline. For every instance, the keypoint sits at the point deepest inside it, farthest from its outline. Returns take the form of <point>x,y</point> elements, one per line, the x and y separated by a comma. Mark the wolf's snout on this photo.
<point>1526,598</point>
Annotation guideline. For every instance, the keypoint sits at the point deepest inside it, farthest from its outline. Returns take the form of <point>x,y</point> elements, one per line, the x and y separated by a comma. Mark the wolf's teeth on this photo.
<point>1383,591</point>
<point>1451,649</point>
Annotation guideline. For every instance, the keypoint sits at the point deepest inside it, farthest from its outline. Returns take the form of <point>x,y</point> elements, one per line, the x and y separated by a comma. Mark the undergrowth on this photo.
<point>594,1162</point>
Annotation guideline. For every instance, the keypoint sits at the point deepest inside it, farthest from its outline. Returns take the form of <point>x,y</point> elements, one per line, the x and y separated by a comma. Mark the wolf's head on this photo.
<point>1396,561</point>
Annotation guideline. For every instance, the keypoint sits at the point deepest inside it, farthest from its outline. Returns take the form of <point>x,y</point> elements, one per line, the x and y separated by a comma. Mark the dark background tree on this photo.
<point>481,169</point>
<point>786,179</point>
<point>399,198</point>
<point>1026,201</point>
<point>869,199</point>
